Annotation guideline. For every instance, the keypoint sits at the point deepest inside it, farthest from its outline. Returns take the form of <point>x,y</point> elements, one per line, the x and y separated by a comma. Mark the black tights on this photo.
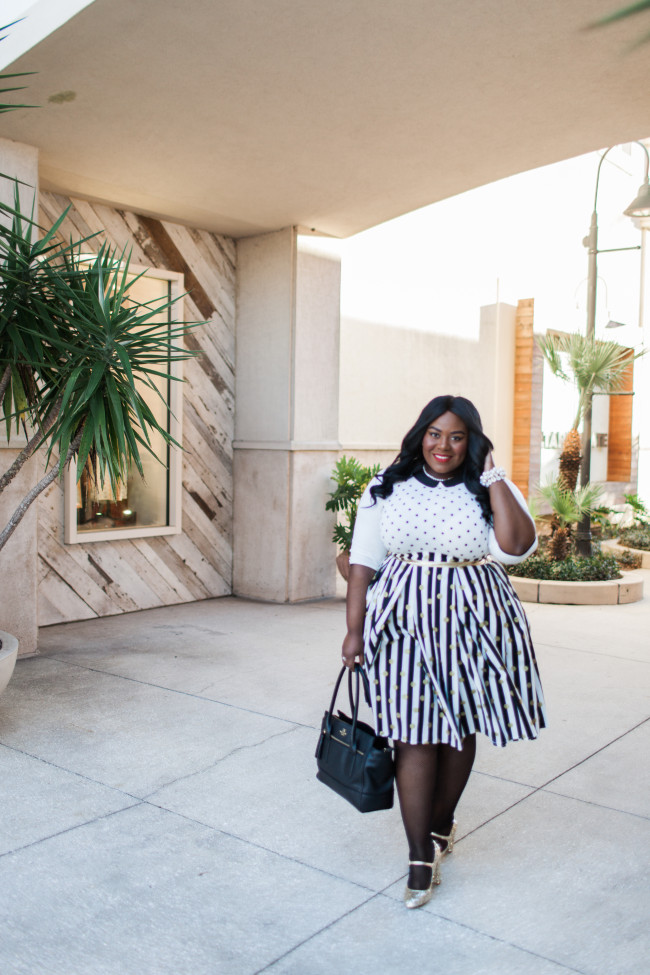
<point>430,781</point>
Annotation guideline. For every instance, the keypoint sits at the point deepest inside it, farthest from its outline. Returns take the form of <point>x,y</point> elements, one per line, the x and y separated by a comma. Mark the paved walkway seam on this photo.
<point>589,653</point>
<point>315,934</point>
<point>509,944</point>
<point>234,751</point>
<point>267,849</point>
<point>175,690</point>
<point>544,786</point>
<point>70,829</point>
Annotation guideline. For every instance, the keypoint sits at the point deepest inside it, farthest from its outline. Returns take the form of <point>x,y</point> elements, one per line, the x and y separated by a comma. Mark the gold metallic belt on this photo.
<point>451,564</point>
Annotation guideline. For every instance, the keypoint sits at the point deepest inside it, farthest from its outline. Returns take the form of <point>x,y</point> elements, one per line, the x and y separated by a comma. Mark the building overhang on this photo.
<point>244,116</point>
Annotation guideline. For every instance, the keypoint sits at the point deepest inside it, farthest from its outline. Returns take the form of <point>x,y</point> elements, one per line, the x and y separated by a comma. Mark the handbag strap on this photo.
<point>361,677</point>
<point>360,672</point>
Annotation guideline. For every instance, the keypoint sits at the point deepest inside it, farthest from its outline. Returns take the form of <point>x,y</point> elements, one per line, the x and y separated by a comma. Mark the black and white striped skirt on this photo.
<point>448,653</point>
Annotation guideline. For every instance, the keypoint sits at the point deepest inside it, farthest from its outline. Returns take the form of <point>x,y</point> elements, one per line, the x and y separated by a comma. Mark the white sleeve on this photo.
<point>493,545</point>
<point>367,547</point>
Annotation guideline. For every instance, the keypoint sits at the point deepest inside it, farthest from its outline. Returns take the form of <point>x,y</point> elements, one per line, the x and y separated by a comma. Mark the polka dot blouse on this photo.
<point>423,515</point>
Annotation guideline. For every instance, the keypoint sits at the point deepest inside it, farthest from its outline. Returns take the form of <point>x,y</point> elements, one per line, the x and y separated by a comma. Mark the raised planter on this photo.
<point>343,564</point>
<point>8,654</point>
<point>611,545</point>
<point>629,589</point>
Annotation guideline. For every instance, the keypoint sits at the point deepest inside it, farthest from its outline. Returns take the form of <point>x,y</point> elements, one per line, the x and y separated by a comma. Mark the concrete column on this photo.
<point>286,418</point>
<point>18,559</point>
<point>641,406</point>
<point>495,404</point>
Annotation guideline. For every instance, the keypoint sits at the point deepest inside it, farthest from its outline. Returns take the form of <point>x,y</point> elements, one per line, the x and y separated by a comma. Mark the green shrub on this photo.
<point>601,523</point>
<point>638,536</point>
<point>628,559</point>
<point>639,510</point>
<point>575,568</point>
<point>351,478</point>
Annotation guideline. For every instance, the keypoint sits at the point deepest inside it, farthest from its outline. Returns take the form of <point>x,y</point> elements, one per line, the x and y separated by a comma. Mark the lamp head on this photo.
<point>640,206</point>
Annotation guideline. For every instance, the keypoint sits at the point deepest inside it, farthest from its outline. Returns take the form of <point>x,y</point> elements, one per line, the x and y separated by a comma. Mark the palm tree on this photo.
<point>568,507</point>
<point>592,366</point>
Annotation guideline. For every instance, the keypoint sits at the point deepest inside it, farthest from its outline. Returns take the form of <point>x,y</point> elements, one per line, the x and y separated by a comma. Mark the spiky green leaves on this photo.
<point>82,355</point>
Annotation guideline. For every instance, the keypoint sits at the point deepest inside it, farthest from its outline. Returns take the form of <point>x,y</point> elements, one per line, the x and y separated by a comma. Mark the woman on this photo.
<point>433,618</point>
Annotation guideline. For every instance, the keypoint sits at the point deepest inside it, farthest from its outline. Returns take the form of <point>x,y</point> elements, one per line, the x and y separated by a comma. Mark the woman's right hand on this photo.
<point>352,650</point>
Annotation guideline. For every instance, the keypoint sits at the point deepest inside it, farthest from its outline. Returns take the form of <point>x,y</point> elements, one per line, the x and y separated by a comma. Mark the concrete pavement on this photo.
<point>160,812</point>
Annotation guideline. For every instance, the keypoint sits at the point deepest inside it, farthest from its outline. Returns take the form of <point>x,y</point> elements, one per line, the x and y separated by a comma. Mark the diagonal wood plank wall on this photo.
<point>104,578</point>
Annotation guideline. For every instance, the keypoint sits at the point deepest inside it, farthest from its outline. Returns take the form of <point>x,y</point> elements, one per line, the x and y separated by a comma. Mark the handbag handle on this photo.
<point>354,702</point>
<point>360,672</point>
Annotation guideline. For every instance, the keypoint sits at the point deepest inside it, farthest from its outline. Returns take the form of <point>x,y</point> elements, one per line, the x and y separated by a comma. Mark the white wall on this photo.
<point>389,374</point>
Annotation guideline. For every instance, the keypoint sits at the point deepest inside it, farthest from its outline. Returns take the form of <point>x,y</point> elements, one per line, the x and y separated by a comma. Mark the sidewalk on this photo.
<point>161,816</point>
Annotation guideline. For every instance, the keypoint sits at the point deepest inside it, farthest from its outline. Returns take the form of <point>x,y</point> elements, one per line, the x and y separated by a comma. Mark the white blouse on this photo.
<point>423,516</point>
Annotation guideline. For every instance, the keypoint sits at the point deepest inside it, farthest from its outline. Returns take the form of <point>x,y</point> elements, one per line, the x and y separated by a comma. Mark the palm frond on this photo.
<point>550,346</point>
<point>593,366</point>
<point>568,506</point>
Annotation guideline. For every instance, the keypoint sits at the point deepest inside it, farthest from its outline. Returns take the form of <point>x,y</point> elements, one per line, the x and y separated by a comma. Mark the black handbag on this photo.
<point>352,760</point>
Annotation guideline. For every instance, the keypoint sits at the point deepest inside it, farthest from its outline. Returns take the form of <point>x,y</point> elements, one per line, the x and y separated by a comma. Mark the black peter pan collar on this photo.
<point>430,482</point>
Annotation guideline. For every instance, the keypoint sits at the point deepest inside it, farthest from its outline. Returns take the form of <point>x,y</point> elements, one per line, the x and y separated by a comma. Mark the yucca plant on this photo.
<point>623,13</point>
<point>10,76</point>
<point>568,507</point>
<point>351,478</point>
<point>72,345</point>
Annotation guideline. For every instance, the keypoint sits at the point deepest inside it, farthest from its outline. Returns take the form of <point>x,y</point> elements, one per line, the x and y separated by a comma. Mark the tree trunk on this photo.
<point>570,460</point>
<point>29,498</point>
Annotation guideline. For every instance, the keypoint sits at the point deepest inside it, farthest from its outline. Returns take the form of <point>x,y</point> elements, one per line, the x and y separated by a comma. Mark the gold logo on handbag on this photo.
<point>344,732</point>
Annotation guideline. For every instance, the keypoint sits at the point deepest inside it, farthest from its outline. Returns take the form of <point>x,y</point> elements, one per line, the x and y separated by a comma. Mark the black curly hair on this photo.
<point>409,460</point>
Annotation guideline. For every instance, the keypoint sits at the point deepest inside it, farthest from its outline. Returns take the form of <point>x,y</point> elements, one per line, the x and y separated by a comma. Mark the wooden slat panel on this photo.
<point>108,577</point>
<point>179,592</point>
<point>60,603</point>
<point>524,349</point>
<point>537,394</point>
<point>619,436</point>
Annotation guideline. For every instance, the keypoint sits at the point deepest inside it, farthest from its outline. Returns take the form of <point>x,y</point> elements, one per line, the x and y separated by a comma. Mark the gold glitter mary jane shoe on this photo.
<point>417,898</point>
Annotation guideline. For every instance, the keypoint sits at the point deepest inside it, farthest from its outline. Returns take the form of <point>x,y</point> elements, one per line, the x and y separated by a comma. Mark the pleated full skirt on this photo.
<point>448,653</point>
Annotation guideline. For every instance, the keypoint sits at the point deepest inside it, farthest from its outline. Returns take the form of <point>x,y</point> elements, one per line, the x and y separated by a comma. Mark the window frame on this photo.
<point>72,535</point>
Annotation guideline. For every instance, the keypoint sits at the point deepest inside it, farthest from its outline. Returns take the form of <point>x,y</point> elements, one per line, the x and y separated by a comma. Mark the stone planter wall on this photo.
<point>611,545</point>
<point>629,589</point>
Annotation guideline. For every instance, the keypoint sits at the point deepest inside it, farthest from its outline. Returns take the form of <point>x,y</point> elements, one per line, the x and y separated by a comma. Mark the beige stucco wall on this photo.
<point>18,161</point>
<point>18,563</point>
<point>388,375</point>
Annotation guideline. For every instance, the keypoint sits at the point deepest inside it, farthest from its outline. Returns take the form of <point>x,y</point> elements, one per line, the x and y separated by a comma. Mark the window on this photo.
<point>142,506</point>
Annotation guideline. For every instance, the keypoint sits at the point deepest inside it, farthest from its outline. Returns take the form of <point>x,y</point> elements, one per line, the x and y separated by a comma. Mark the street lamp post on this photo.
<point>640,207</point>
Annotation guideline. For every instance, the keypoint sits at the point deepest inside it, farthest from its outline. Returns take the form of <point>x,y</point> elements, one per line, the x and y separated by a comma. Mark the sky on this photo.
<point>517,238</point>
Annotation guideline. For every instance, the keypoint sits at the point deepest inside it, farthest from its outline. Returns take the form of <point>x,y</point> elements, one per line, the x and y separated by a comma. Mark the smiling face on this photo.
<point>444,445</point>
